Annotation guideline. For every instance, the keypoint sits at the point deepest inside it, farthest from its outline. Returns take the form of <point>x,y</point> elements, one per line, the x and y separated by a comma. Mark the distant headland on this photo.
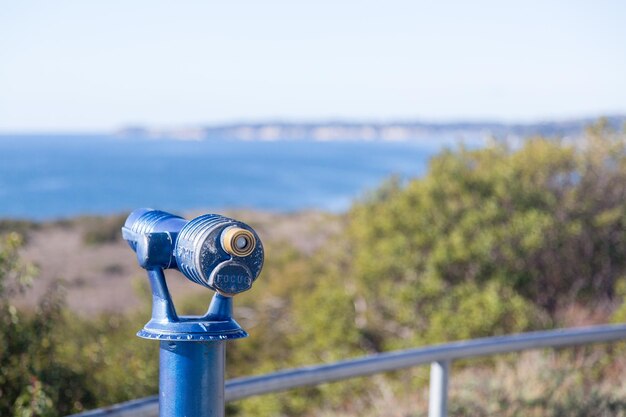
<point>398,131</point>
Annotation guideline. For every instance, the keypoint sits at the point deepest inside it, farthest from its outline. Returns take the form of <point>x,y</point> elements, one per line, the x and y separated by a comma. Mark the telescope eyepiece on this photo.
<point>237,241</point>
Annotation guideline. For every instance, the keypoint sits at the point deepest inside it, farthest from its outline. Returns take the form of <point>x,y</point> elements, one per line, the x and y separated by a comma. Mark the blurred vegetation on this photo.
<point>21,227</point>
<point>490,241</point>
<point>101,230</point>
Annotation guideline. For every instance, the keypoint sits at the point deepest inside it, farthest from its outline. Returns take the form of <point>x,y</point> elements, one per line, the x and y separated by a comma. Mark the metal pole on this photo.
<point>438,398</point>
<point>191,379</point>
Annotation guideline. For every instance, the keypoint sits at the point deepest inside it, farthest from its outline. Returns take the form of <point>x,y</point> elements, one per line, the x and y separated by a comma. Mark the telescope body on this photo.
<point>214,251</point>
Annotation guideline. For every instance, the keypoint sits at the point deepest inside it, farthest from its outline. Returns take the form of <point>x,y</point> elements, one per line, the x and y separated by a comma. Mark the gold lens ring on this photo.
<point>237,241</point>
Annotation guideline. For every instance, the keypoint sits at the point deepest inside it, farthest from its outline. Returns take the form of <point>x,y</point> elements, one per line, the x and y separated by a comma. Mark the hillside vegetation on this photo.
<point>491,241</point>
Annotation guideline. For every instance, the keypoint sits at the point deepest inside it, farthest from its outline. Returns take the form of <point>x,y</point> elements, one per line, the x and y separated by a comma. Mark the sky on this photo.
<point>93,66</point>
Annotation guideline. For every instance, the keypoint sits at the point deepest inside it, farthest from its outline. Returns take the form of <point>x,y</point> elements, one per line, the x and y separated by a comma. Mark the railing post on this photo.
<point>438,398</point>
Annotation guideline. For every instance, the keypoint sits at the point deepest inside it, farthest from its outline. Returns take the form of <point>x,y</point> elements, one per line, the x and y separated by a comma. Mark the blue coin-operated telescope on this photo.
<point>216,252</point>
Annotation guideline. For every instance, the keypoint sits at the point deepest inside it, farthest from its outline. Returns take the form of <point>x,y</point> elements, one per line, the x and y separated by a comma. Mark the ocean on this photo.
<point>45,177</point>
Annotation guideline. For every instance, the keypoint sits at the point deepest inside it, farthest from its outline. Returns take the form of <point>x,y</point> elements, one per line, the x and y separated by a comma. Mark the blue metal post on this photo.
<point>191,379</point>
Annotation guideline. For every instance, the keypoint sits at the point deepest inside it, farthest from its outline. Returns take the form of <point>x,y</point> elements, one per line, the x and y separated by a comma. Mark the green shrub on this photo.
<point>542,224</point>
<point>34,381</point>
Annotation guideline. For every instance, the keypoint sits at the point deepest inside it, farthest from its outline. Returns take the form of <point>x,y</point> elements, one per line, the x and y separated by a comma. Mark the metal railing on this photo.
<point>439,356</point>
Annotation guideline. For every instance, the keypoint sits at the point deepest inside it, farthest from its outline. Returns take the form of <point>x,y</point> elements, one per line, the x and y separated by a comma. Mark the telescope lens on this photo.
<point>242,243</point>
<point>238,242</point>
